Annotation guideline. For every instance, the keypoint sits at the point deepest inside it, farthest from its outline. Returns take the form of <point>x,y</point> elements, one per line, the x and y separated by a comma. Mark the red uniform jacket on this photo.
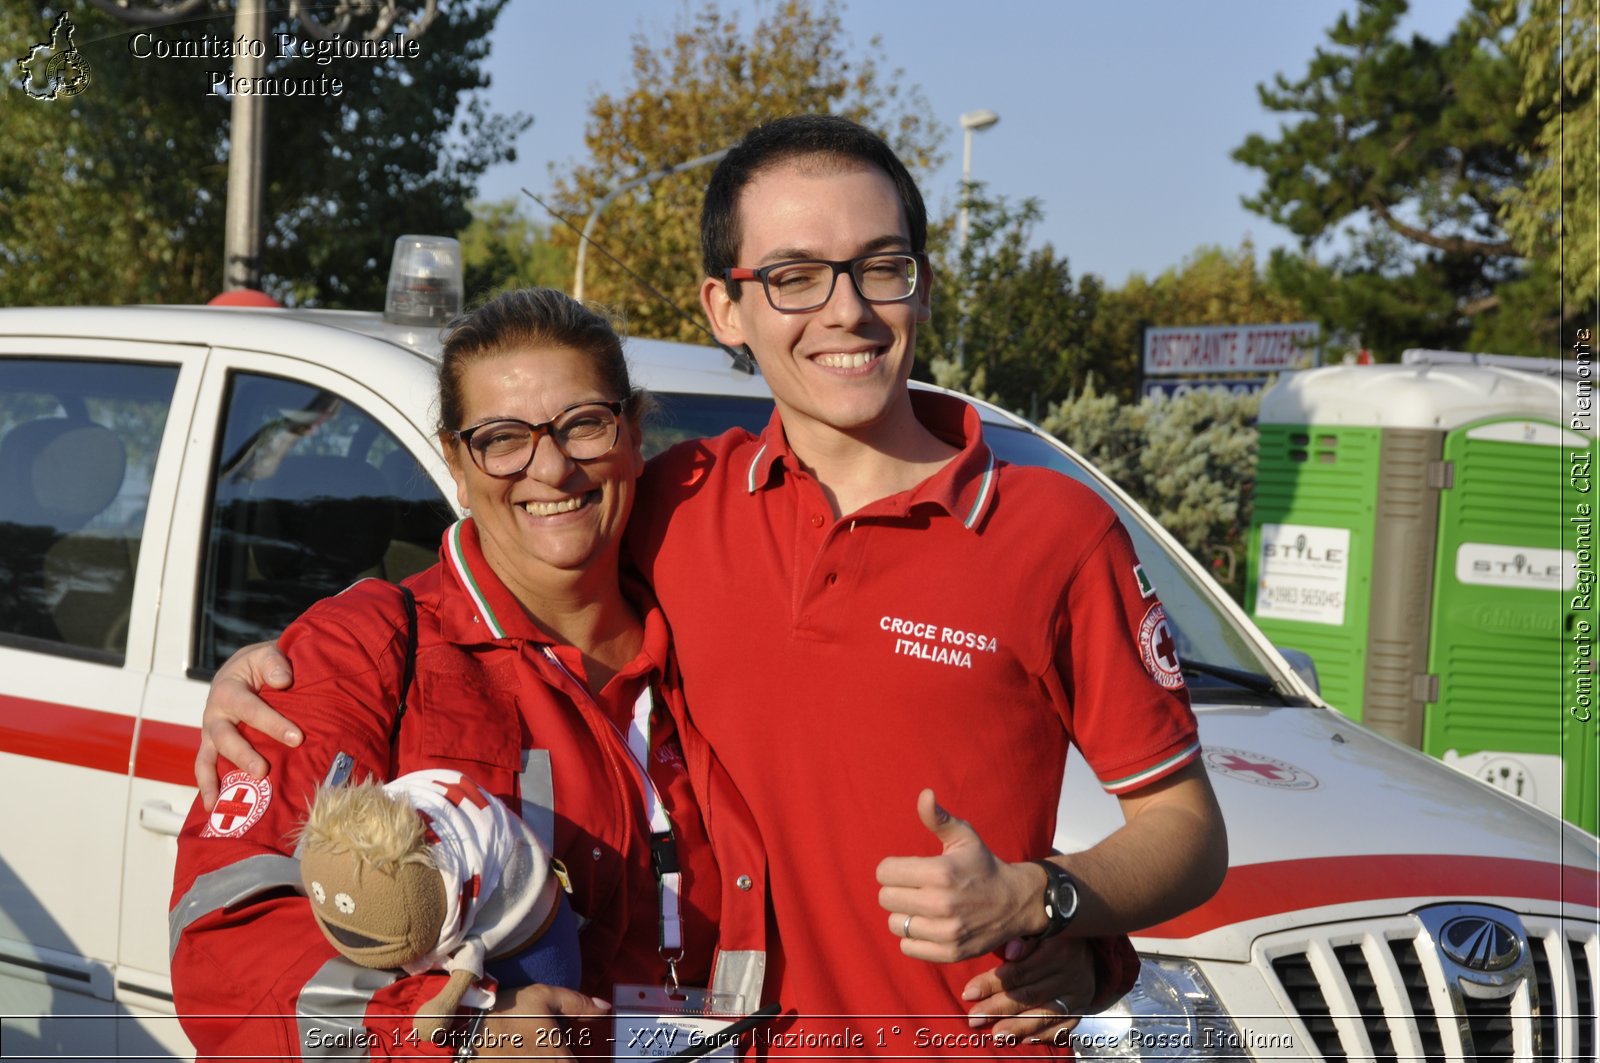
<point>252,974</point>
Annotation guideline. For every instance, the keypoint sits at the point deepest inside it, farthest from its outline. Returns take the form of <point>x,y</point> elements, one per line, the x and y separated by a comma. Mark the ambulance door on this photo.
<point>90,436</point>
<point>297,482</point>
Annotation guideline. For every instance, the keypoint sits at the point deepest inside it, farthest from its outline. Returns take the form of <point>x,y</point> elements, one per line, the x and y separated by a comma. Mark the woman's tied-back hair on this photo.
<point>383,831</point>
<point>529,319</point>
<point>823,141</point>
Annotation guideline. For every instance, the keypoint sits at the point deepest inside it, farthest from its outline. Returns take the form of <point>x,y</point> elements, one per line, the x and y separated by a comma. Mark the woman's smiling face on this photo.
<point>557,515</point>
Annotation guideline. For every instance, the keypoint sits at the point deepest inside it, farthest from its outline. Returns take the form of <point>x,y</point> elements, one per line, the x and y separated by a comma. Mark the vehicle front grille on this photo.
<point>1386,991</point>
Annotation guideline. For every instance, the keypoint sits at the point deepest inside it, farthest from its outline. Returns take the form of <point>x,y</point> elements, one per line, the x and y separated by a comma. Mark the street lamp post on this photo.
<point>605,201</point>
<point>971,122</point>
<point>247,154</point>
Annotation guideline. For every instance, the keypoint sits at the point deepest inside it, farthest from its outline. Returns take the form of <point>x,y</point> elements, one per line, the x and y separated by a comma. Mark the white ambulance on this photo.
<point>175,482</point>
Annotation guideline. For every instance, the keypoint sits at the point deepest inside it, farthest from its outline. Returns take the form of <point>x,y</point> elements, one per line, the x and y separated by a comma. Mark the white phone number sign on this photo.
<point>1304,573</point>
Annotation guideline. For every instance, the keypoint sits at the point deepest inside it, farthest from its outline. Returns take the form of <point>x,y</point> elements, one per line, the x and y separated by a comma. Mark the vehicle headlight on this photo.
<point>1171,1013</point>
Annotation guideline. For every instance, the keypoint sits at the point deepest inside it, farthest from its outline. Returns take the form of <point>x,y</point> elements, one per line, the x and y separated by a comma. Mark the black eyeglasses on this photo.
<point>807,284</point>
<point>583,431</point>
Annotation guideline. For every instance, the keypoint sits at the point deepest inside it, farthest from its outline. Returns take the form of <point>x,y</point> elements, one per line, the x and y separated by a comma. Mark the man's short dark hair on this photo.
<point>825,137</point>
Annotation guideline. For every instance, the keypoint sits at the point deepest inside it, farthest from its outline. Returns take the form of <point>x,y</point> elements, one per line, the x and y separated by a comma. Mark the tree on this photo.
<point>696,94</point>
<point>1189,460</point>
<point>116,194</point>
<point>1423,141</point>
<point>501,248</point>
<point>1552,216</point>
<point>1008,322</point>
<point>1030,336</point>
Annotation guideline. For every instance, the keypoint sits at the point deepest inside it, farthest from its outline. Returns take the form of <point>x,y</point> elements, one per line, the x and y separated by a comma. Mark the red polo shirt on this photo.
<point>958,635</point>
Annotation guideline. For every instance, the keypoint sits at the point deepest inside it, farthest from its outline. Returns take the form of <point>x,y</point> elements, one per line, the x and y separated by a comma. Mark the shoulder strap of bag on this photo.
<point>410,673</point>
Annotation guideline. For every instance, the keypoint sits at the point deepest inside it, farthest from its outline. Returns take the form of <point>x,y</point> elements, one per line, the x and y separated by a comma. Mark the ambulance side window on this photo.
<point>309,494</point>
<point>78,447</point>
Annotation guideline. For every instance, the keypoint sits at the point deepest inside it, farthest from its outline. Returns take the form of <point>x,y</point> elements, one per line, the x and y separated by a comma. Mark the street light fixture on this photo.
<point>605,201</point>
<point>971,122</point>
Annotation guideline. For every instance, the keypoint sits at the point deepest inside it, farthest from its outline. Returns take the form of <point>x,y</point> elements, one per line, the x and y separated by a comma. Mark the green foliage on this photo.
<point>1008,322</point>
<point>695,94</point>
<point>1376,295</point>
<point>1422,141</point>
<point>1190,460</point>
<point>95,209</point>
<point>1552,216</point>
<point>1031,335</point>
<point>117,195</point>
<point>501,248</point>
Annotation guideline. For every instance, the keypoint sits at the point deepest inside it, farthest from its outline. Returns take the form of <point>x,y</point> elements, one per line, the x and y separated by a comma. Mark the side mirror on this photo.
<point>1302,665</point>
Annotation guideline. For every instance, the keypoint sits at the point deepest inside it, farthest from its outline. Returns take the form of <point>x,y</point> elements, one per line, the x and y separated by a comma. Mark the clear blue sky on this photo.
<point>1118,116</point>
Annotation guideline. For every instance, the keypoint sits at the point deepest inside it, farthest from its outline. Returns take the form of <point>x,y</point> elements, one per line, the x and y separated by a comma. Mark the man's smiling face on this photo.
<point>845,364</point>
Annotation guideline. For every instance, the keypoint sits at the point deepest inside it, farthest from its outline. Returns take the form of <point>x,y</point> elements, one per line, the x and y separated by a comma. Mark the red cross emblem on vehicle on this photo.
<point>1258,768</point>
<point>1237,763</point>
<point>244,800</point>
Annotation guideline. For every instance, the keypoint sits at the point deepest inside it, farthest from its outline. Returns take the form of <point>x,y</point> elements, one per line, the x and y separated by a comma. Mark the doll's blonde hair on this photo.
<point>381,830</point>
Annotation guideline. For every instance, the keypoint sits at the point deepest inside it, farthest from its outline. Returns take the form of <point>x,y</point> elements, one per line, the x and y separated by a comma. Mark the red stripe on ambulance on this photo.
<point>1255,891</point>
<point>89,738</point>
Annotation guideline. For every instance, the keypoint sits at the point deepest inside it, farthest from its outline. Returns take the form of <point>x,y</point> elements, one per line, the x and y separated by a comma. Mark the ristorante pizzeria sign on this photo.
<point>1202,349</point>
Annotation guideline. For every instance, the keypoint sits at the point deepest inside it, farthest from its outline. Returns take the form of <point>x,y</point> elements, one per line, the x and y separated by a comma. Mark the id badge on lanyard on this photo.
<point>659,1022</point>
<point>654,1022</point>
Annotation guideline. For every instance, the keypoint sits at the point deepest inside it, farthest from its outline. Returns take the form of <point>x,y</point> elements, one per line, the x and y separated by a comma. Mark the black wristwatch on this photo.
<point>1060,899</point>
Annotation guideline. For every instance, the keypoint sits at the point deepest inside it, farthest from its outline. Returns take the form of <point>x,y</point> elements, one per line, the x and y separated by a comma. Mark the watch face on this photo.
<point>1067,897</point>
<point>1062,896</point>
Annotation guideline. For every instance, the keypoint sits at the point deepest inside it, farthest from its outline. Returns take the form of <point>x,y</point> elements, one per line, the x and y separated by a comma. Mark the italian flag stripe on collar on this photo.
<point>983,494</point>
<point>458,558</point>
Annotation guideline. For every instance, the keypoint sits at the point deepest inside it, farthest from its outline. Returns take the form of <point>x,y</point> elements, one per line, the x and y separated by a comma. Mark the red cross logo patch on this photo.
<point>1159,650</point>
<point>244,800</point>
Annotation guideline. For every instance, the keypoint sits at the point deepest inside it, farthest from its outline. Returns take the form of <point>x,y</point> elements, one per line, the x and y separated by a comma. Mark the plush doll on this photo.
<point>428,873</point>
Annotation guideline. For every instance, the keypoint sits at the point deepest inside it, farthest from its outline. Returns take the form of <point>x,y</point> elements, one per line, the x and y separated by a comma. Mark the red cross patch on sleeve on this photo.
<point>244,800</point>
<point>1159,649</point>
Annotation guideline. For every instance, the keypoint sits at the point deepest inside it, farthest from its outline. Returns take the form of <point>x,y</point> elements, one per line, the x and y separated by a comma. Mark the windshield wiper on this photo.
<point>1254,682</point>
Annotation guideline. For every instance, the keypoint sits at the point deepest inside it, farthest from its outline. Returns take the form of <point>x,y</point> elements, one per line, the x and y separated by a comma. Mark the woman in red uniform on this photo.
<point>541,675</point>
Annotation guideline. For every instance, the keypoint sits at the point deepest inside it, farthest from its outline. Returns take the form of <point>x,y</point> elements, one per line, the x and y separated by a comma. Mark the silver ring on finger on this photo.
<point>905,928</point>
<point>1062,1006</point>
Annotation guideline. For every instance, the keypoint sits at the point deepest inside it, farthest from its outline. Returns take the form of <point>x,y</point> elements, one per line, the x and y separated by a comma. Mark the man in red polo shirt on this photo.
<point>867,606</point>
<point>875,618</point>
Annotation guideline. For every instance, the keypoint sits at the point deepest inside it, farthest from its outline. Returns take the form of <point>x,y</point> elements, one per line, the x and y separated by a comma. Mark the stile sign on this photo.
<point>1200,350</point>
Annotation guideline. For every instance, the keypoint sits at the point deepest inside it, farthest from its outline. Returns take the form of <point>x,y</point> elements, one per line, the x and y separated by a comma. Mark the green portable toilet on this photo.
<point>1418,530</point>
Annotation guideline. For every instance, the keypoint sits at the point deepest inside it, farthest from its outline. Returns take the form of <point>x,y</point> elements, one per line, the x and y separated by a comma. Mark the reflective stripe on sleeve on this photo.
<point>227,886</point>
<point>332,1009</point>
